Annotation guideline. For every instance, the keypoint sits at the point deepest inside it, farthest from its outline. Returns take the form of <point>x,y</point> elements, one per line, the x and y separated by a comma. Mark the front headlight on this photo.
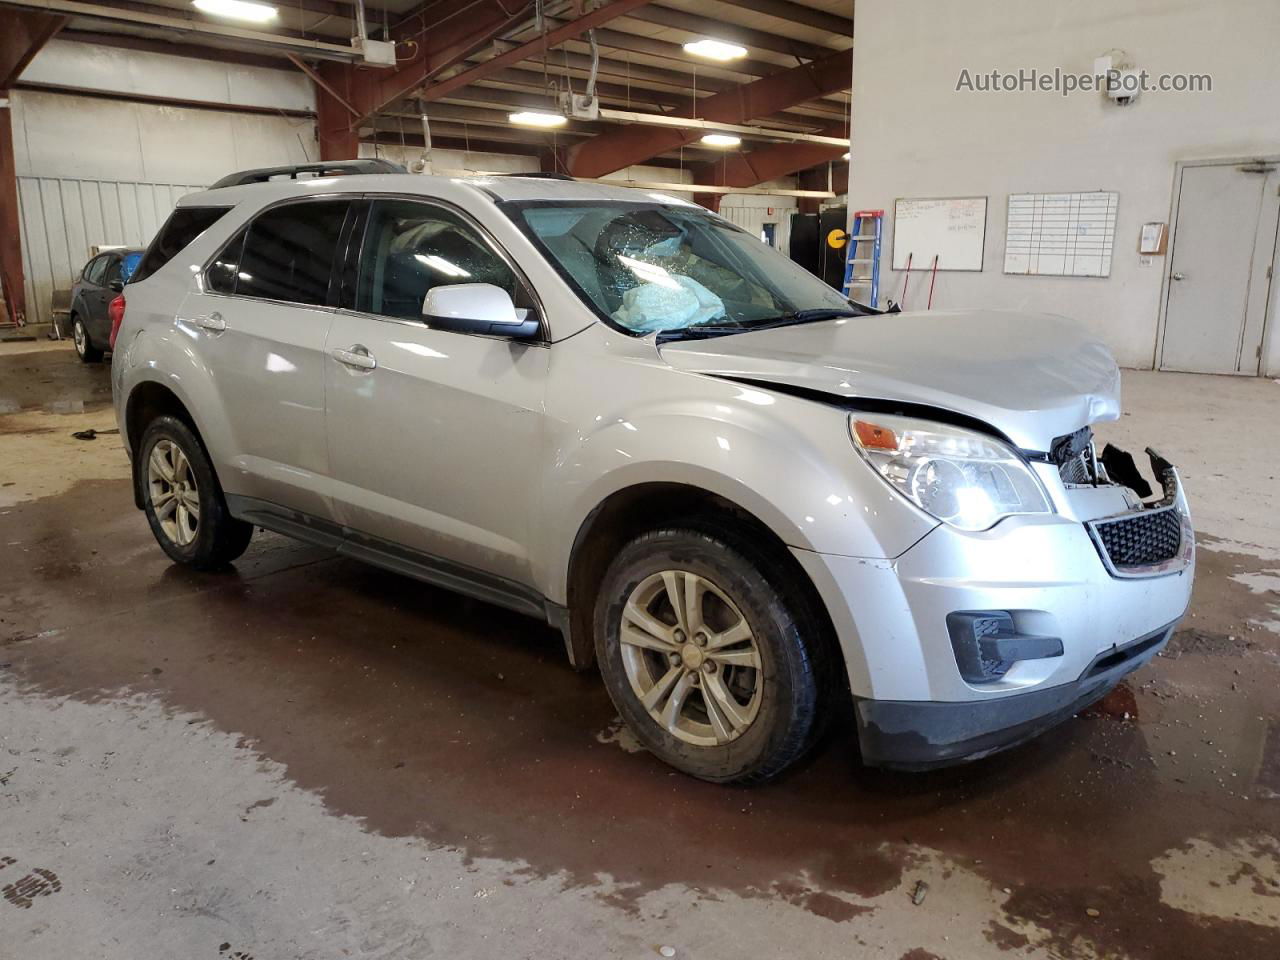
<point>962,477</point>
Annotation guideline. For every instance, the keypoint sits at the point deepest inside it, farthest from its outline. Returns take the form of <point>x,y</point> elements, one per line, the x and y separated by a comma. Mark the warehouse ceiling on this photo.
<point>469,64</point>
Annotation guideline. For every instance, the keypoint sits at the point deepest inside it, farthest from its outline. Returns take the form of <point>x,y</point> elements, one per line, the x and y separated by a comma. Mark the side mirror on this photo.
<point>481,308</point>
<point>116,285</point>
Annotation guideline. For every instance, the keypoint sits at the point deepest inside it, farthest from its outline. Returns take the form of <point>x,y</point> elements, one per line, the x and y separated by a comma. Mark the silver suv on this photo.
<point>741,495</point>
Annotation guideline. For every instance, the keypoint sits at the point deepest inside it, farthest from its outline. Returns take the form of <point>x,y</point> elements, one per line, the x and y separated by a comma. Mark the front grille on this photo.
<point>1141,539</point>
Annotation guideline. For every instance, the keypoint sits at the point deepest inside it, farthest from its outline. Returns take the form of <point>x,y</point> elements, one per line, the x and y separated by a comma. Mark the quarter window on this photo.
<point>410,247</point>
<point>184,225</point>
<point>93,272</point>
<point>288,253</point>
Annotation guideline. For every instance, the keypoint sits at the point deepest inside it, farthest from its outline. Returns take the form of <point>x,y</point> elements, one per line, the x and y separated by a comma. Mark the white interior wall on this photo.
<point>914,135</point>
<point>86,66</point>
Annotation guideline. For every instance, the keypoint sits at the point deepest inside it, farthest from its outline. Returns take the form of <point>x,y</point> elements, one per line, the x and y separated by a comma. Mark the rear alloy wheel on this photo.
<point>183,500</point>
<point>173,492</point>
<point>713,671</point>
<point>85,349</point>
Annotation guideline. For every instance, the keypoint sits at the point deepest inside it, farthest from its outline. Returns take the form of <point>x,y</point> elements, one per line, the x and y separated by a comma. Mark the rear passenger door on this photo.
<point>260,324</point>
<point>92,307</point>
<point>435,440</point>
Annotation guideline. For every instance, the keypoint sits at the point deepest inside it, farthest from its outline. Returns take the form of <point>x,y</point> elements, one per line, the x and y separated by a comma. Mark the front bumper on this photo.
<point>911,735</point>
<point>914,706</point>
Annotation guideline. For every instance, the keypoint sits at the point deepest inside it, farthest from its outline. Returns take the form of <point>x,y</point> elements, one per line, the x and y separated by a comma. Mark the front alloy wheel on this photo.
<point>691,658</point>
<point>717,666</point>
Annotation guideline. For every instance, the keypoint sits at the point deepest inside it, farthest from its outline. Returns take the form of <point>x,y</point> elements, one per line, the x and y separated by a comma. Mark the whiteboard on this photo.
<point>1060,234</point>
<point>953,229</point>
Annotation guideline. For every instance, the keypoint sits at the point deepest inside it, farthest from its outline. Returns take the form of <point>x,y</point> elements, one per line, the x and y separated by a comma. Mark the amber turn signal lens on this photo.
<point>871,436</point>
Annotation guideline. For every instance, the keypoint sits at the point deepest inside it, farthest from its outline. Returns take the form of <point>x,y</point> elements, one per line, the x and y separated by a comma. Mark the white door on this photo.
<point>1220,264</point>
<point>260,327</point>
<point>434,435</point>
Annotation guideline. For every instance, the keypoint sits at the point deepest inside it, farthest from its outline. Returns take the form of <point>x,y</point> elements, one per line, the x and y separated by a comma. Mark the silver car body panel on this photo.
<point>1034,377</point>
<point>493,454</point>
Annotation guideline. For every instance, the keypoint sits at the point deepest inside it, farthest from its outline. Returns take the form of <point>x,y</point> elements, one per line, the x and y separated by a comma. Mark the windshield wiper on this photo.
<point>821,313</point>
<point>700,331</point>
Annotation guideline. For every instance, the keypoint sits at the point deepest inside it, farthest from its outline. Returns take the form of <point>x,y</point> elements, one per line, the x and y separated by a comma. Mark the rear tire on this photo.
<point>85,349</point>
<point>183,500</point>
<point>749,679</point>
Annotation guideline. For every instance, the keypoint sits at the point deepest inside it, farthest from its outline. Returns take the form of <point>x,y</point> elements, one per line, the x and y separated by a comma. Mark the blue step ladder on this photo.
<point>857,256</point>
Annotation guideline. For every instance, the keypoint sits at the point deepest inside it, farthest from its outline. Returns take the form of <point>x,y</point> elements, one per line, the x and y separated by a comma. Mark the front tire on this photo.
<point>183,499</point>
<point>711,668</point>
<point>85,349</point>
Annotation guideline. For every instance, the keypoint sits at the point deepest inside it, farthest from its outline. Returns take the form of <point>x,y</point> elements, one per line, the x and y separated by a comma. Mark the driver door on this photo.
<point>435,436</point>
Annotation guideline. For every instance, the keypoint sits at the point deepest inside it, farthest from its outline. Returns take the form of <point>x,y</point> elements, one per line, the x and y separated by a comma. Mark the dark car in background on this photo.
<point>99,282</point>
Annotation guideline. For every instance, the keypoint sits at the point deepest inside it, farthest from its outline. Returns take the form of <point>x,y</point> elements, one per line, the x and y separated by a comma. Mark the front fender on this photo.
<point>788,462</point>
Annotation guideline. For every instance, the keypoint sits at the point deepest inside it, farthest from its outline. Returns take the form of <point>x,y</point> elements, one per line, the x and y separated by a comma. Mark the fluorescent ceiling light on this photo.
<point>715,49</point>
<point>536,118</point>
<point>237,9</point>
<point>721,140</point>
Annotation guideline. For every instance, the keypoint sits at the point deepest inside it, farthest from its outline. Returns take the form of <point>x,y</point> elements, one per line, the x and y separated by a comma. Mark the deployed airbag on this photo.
<point>672,302</point>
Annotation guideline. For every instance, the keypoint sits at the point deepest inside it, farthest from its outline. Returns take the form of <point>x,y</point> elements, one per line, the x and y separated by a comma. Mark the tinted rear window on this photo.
<point>289,252</point>
<point>182,227</point>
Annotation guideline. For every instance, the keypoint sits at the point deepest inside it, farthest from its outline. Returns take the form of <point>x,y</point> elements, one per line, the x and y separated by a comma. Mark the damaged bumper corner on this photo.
<point>921,735</point>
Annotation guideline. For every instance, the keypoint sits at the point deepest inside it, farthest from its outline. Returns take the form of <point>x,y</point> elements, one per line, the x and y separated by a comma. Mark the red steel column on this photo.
<point>10,228</point>
<point>22,34</point>
<point>333,118</point>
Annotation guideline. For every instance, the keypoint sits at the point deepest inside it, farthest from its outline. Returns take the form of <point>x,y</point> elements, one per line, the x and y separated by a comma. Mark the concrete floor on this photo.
<point>307,757</point>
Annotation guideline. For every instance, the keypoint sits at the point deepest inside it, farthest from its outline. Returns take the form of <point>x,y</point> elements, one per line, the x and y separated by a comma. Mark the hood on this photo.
<point>1033,377</point>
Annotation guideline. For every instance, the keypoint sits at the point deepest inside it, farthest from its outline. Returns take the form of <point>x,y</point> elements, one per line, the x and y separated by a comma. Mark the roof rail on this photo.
<point>332,168</point>
<point>539,176</point>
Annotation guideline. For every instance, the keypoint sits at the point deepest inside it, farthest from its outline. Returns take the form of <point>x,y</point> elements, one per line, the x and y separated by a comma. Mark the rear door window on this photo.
<point>182,227</point>
<point>288,253</point>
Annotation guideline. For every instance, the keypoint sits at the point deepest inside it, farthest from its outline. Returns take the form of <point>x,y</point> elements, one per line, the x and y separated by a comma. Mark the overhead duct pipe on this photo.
<point>362,29</point>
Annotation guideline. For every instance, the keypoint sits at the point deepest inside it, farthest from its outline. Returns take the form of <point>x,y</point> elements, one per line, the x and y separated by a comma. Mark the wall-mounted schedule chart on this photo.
<point>1060,234</point>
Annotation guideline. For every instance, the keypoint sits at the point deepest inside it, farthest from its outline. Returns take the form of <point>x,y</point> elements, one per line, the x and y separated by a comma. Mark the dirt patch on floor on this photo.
<point>1206,643</point>
<point>51,376</point>
<point>39,457</point>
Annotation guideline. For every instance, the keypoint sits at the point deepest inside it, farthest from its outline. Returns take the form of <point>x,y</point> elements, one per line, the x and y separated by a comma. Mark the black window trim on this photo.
<point>356,245</point>
<point>348,258</point>
<point>340,255</point>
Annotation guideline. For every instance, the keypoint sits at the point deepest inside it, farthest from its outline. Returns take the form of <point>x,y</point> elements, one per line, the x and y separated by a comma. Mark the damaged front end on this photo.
<point>1152,535</point>
<point>1040,616</point>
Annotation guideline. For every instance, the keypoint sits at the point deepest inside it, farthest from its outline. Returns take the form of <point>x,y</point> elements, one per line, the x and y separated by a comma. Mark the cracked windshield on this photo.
<point>667,269</point>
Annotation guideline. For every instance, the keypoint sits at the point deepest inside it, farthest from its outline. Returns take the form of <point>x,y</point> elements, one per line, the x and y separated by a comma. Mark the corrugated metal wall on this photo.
<point>63,217</point>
